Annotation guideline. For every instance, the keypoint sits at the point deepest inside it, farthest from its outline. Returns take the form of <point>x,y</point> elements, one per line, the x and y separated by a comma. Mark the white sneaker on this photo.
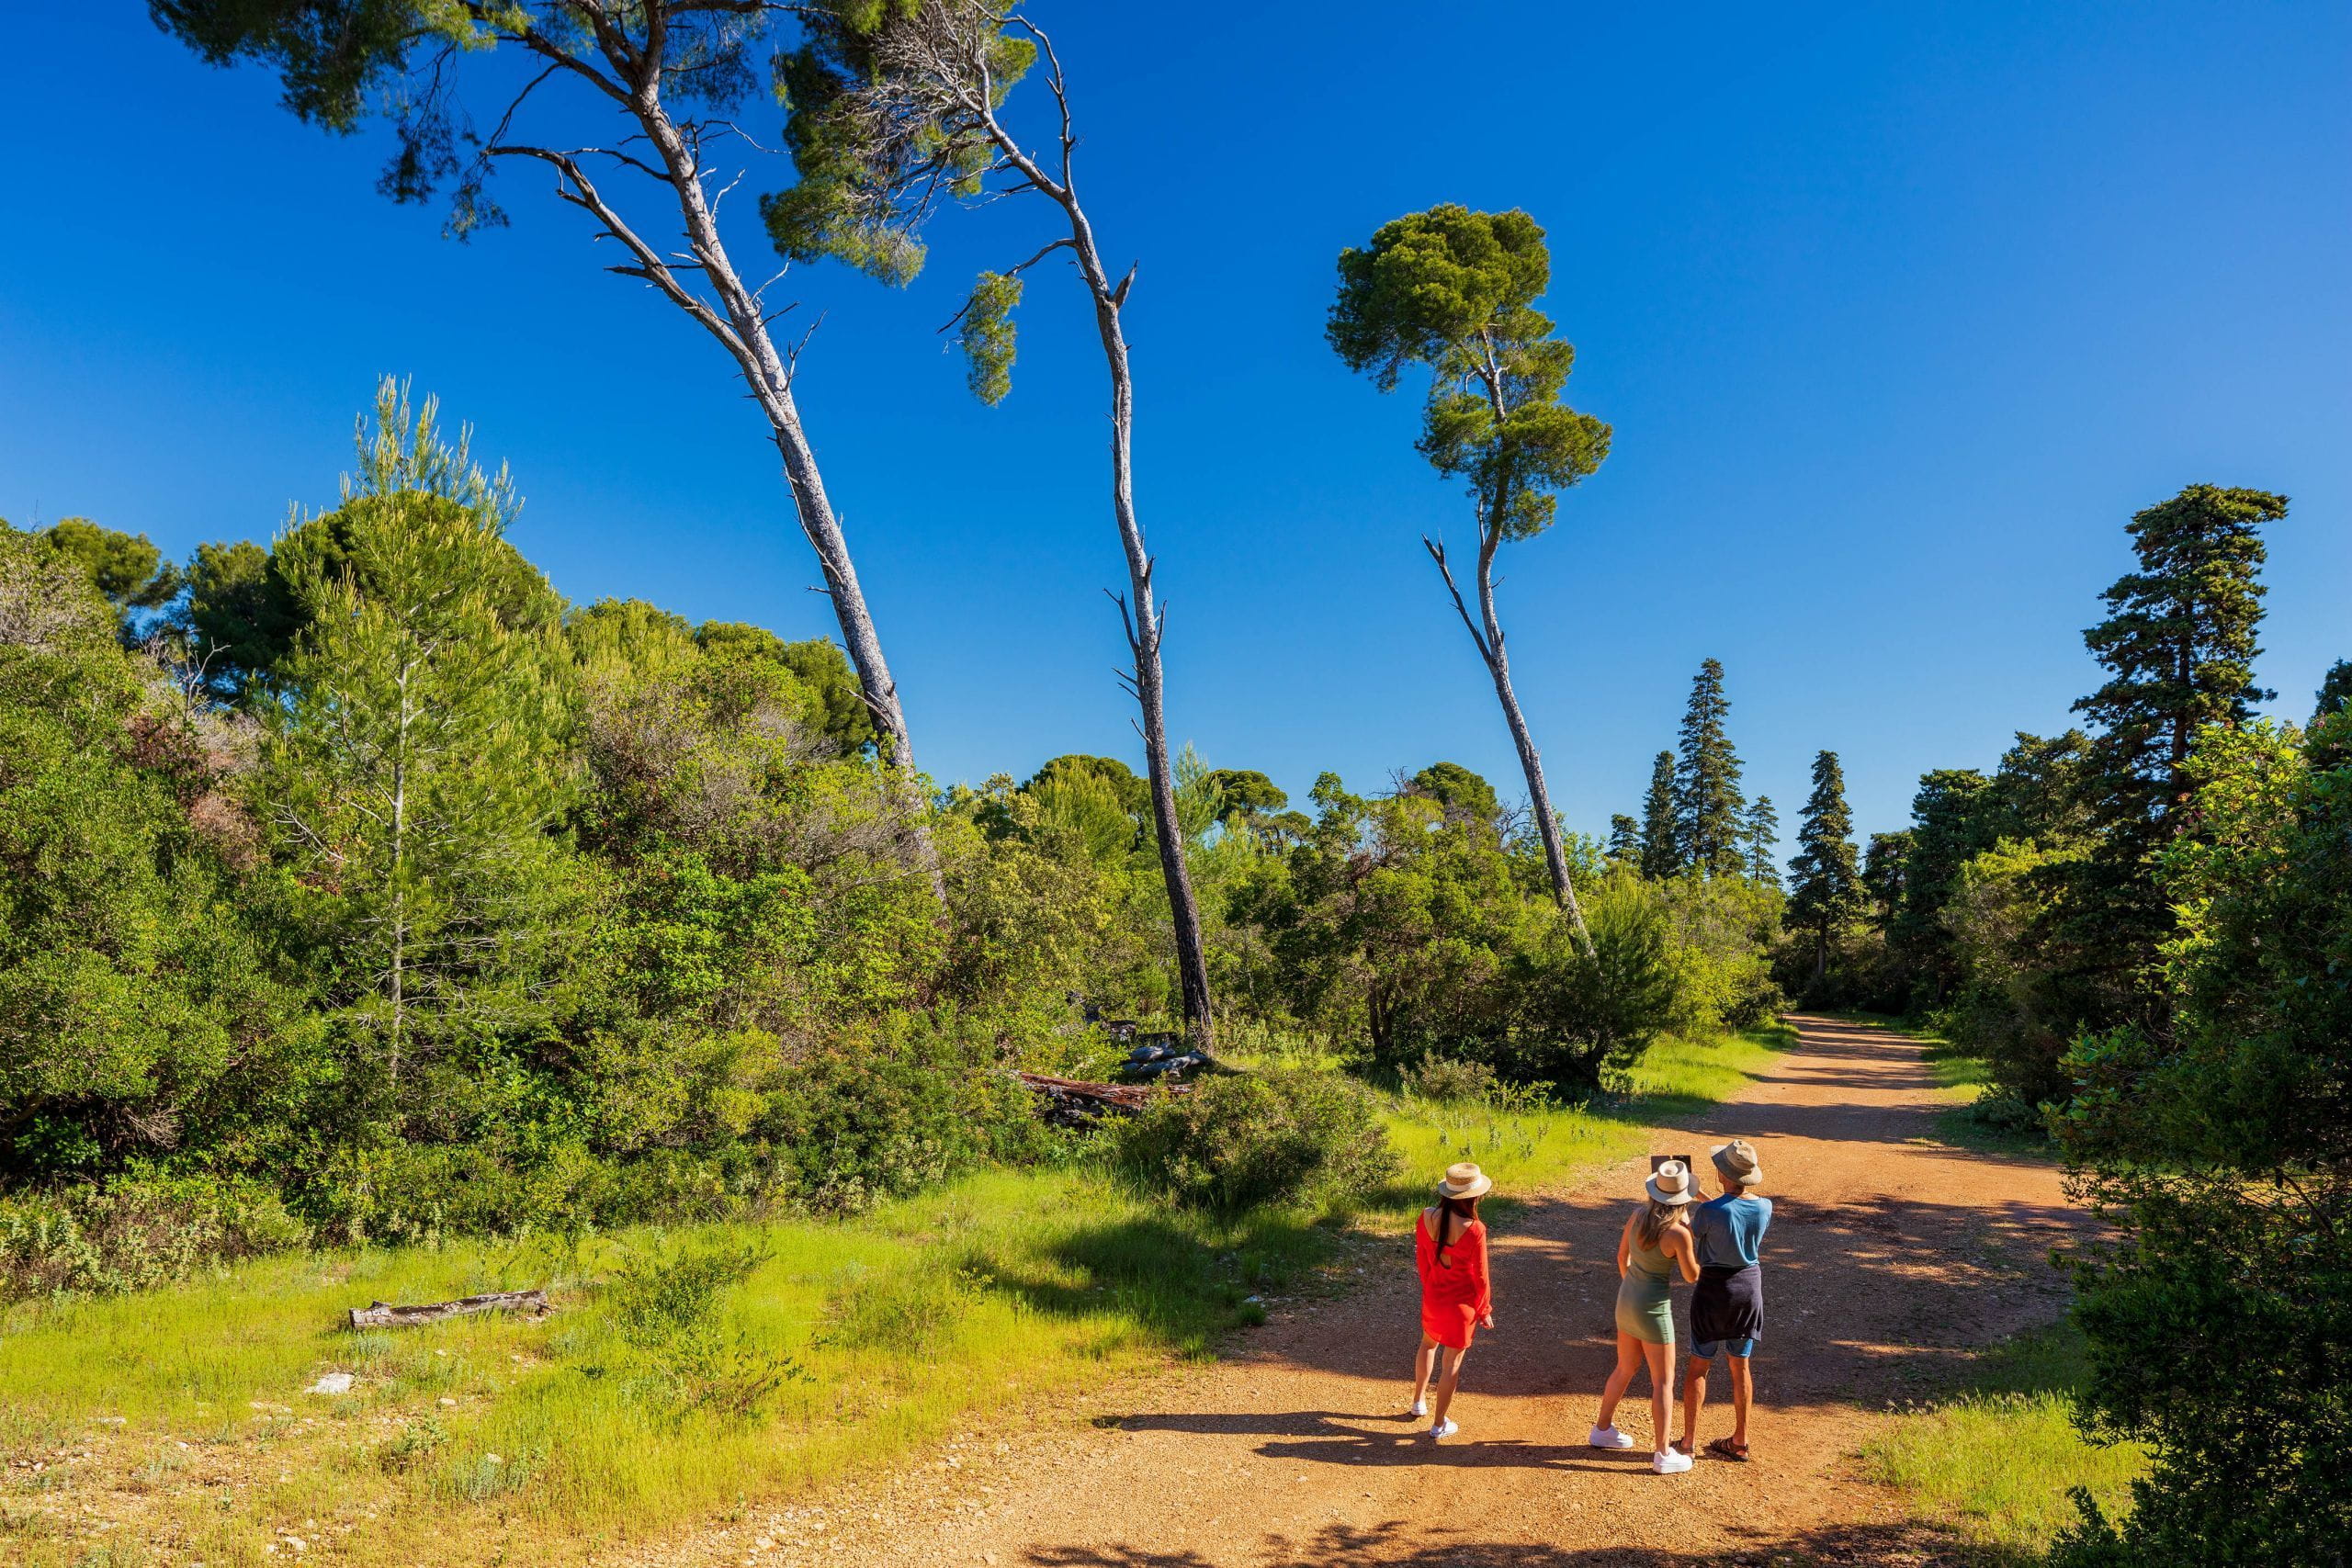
<point>1421,1408</point>
<point>1673,1462</point>
<point>1609,1437</point>
<point>1445,1428</point>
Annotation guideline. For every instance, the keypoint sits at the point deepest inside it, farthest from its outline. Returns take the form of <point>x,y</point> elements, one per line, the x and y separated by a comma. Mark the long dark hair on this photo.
<point>1447,1209</point>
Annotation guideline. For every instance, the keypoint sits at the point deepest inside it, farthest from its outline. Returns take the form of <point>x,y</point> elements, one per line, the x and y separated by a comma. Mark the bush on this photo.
<point>669,1307</point>
<point>1449,1082</point>
<point>139,1231</point>
<point>1258,1138</point>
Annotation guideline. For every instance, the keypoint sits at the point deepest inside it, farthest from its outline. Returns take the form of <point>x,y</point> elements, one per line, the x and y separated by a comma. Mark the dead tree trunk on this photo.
<point>1143,619</point>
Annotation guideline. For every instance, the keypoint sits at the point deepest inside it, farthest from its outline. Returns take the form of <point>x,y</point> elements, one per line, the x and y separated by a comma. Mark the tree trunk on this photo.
<point>769,375</point>
<point>1141,616</point>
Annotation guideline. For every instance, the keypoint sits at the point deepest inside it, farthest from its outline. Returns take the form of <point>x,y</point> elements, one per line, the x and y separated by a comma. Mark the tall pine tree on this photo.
<point>1624,840</point>
<point>1760,836</point>
<point>2179,645</point>
<point>1661,848</point>
<point>1707,801</point>
<point>1829,881</point>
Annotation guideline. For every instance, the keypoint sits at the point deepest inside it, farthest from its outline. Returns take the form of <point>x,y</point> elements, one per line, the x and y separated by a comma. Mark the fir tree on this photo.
<point>1829,881</point>
<point>1706,781</point>
<point>2179,645</point>
<point>1760,836</point>
<point>2332,750</point>
<point>1661,851</point>
<point>1624,840</point>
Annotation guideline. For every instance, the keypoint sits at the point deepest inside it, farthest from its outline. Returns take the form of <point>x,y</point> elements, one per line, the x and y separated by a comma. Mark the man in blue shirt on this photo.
<point>1727,1307</point>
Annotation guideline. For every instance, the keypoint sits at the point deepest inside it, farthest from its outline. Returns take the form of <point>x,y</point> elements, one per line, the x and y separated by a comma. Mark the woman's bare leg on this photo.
<point>1421,1359</point>
<point>1629,1361</point>
<point>1661,1360</point>
<point>1446,1384</point>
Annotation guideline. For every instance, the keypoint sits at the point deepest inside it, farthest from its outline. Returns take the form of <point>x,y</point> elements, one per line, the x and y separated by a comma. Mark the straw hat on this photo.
<point>1735,1163</point>
<point>1464,1180</point>
<point>1671,1184</point>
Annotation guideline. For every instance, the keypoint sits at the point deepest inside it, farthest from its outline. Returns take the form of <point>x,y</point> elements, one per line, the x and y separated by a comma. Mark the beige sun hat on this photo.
<point>1464,1180</point>
<point>1735,1163</point>
<point>1670,1183</point>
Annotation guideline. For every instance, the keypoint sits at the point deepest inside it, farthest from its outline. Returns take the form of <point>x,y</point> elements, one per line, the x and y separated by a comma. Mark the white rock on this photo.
<point>334,1383</point>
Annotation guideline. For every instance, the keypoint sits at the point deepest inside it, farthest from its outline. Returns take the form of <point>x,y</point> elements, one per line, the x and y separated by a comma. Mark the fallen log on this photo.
<point>384,1316</point>
<point>1093,1098</point>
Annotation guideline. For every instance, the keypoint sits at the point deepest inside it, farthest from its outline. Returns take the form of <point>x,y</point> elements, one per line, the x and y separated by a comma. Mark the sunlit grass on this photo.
<point>486,1439</point>
<point>1998,1462</point>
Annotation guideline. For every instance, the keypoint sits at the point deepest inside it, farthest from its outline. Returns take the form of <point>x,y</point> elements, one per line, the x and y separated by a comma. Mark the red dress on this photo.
<point>1455,1293</point>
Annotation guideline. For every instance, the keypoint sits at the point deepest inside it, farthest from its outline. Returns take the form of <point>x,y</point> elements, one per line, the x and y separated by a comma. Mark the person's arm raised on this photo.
<point>1685,1249</point>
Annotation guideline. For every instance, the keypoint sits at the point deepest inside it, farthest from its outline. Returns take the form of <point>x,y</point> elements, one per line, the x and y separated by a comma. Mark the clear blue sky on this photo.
<point>1898,311</point>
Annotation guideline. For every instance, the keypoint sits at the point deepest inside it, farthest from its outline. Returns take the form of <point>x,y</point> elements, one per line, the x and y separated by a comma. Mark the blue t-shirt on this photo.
<point>1729,1231</point>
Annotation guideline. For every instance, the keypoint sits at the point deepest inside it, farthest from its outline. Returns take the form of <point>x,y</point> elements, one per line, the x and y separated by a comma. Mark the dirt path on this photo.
<point>1890,1254</point>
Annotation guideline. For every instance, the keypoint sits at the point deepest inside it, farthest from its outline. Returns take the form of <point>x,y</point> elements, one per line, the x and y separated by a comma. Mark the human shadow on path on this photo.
<point>1399,1544</point>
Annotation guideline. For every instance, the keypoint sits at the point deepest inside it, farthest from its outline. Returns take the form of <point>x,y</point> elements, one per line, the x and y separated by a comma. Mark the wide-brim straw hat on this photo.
<point>1464,1180</point>
<point>1735,1162</point>
<point>1671,1184</point>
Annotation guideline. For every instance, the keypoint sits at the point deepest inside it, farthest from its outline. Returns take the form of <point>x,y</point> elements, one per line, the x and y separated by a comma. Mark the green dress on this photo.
<point>1645,1306</point>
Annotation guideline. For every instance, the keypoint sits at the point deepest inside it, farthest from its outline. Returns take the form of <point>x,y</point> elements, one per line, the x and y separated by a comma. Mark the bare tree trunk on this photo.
<point>1490,643</point>
<point>741,322</point>
<point>1142,619</point>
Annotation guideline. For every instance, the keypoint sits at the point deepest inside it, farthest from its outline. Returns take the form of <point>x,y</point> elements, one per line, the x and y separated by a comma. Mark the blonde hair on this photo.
<point>1655,1219</point>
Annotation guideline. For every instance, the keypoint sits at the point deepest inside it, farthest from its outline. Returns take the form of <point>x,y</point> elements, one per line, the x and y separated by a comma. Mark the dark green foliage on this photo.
<point>1759,836</point>
<point>2179,645</point>
<point>1457,790</point>
<point>1707,802</point>
<point>1828,882</point>
<point>1246,795</point>
<point>2223,1152</point>
<point>125,567</point>
<point>1455,291</point>
<point>2335,697</point>
<point>140,1230</point>
<point>1661,854</point>
<point>1246,1139</point>
<point>1625,841</point>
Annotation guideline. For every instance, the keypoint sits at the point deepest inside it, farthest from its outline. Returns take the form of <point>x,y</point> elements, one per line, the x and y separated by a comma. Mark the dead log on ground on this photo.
<point>382,1316</point>
<point>1076,1100</point>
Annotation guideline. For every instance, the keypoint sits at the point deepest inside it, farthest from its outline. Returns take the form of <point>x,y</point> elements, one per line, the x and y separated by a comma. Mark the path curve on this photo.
<point>1892,1255</point>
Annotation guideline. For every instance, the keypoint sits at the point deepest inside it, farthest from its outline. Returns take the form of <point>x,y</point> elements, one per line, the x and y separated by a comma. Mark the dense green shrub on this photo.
<point>138,1231</point>
<point>1448,1081</point>
<point>1242,1139</point>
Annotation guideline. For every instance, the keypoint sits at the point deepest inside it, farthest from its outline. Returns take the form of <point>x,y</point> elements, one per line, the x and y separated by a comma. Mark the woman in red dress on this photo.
<point>1450,1251</point>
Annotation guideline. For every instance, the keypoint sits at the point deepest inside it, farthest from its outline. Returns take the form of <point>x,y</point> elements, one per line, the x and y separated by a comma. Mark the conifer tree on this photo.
<point>1760,836</point>
<point>2179,645</point>
<point>1707,801</point>
<point>1829,881</point>
<point>415,768</point>
<point>1624,840</point>
<point>2335,692</point>
<point>1661,852</point>
<point>1454,291</point>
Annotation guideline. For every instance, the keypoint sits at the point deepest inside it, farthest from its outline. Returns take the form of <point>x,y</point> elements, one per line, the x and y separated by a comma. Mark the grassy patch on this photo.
<point>1997,1462</point>
<point>174,1427</point>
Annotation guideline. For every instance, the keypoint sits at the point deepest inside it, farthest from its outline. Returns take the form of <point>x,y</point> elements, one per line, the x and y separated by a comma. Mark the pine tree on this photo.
<point>1706,781</point>
<point>1829,881</point>
<point>415,770</point>
<point>1661,853</point>
<point>2178,645</point>
<point>1760,836</point>
<point>1624,840</point>
<point>2333,750</point>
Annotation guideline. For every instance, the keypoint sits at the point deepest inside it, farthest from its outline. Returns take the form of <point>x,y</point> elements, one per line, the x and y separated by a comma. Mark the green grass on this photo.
<point>1997,1462</point>
<point>492,1438</point>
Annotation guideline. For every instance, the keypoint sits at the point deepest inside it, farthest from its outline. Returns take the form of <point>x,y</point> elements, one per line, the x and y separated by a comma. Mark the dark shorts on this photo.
<point>1728,1311</point>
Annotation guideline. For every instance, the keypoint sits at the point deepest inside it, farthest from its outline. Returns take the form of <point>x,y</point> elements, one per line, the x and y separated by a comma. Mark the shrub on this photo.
<point>139,1231</point>
<point>668,1307</point>
<point>1247,1139</point>
<point>1448,1081</point>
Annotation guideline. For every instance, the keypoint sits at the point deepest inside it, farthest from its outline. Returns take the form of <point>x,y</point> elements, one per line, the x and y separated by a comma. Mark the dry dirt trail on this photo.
<point>1891,1252</point>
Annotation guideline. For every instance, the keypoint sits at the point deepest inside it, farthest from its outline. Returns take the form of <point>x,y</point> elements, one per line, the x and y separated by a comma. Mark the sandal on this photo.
<point>1723,1448</point>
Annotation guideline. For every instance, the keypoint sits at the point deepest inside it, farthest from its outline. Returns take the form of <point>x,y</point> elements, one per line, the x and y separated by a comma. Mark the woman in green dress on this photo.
<point>1652,1249</point>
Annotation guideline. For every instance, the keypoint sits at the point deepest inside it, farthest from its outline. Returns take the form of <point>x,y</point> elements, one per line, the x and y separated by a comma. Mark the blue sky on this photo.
<point>1898,313</point>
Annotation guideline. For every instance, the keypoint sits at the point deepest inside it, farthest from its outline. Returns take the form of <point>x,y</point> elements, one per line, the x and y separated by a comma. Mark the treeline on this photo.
<point>2146,926</point>
<point>358,887</point>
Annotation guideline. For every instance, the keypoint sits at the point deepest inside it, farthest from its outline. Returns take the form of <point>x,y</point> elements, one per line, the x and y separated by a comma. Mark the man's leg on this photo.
<point>1743,1390</point>
<point>1695,1397</point>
